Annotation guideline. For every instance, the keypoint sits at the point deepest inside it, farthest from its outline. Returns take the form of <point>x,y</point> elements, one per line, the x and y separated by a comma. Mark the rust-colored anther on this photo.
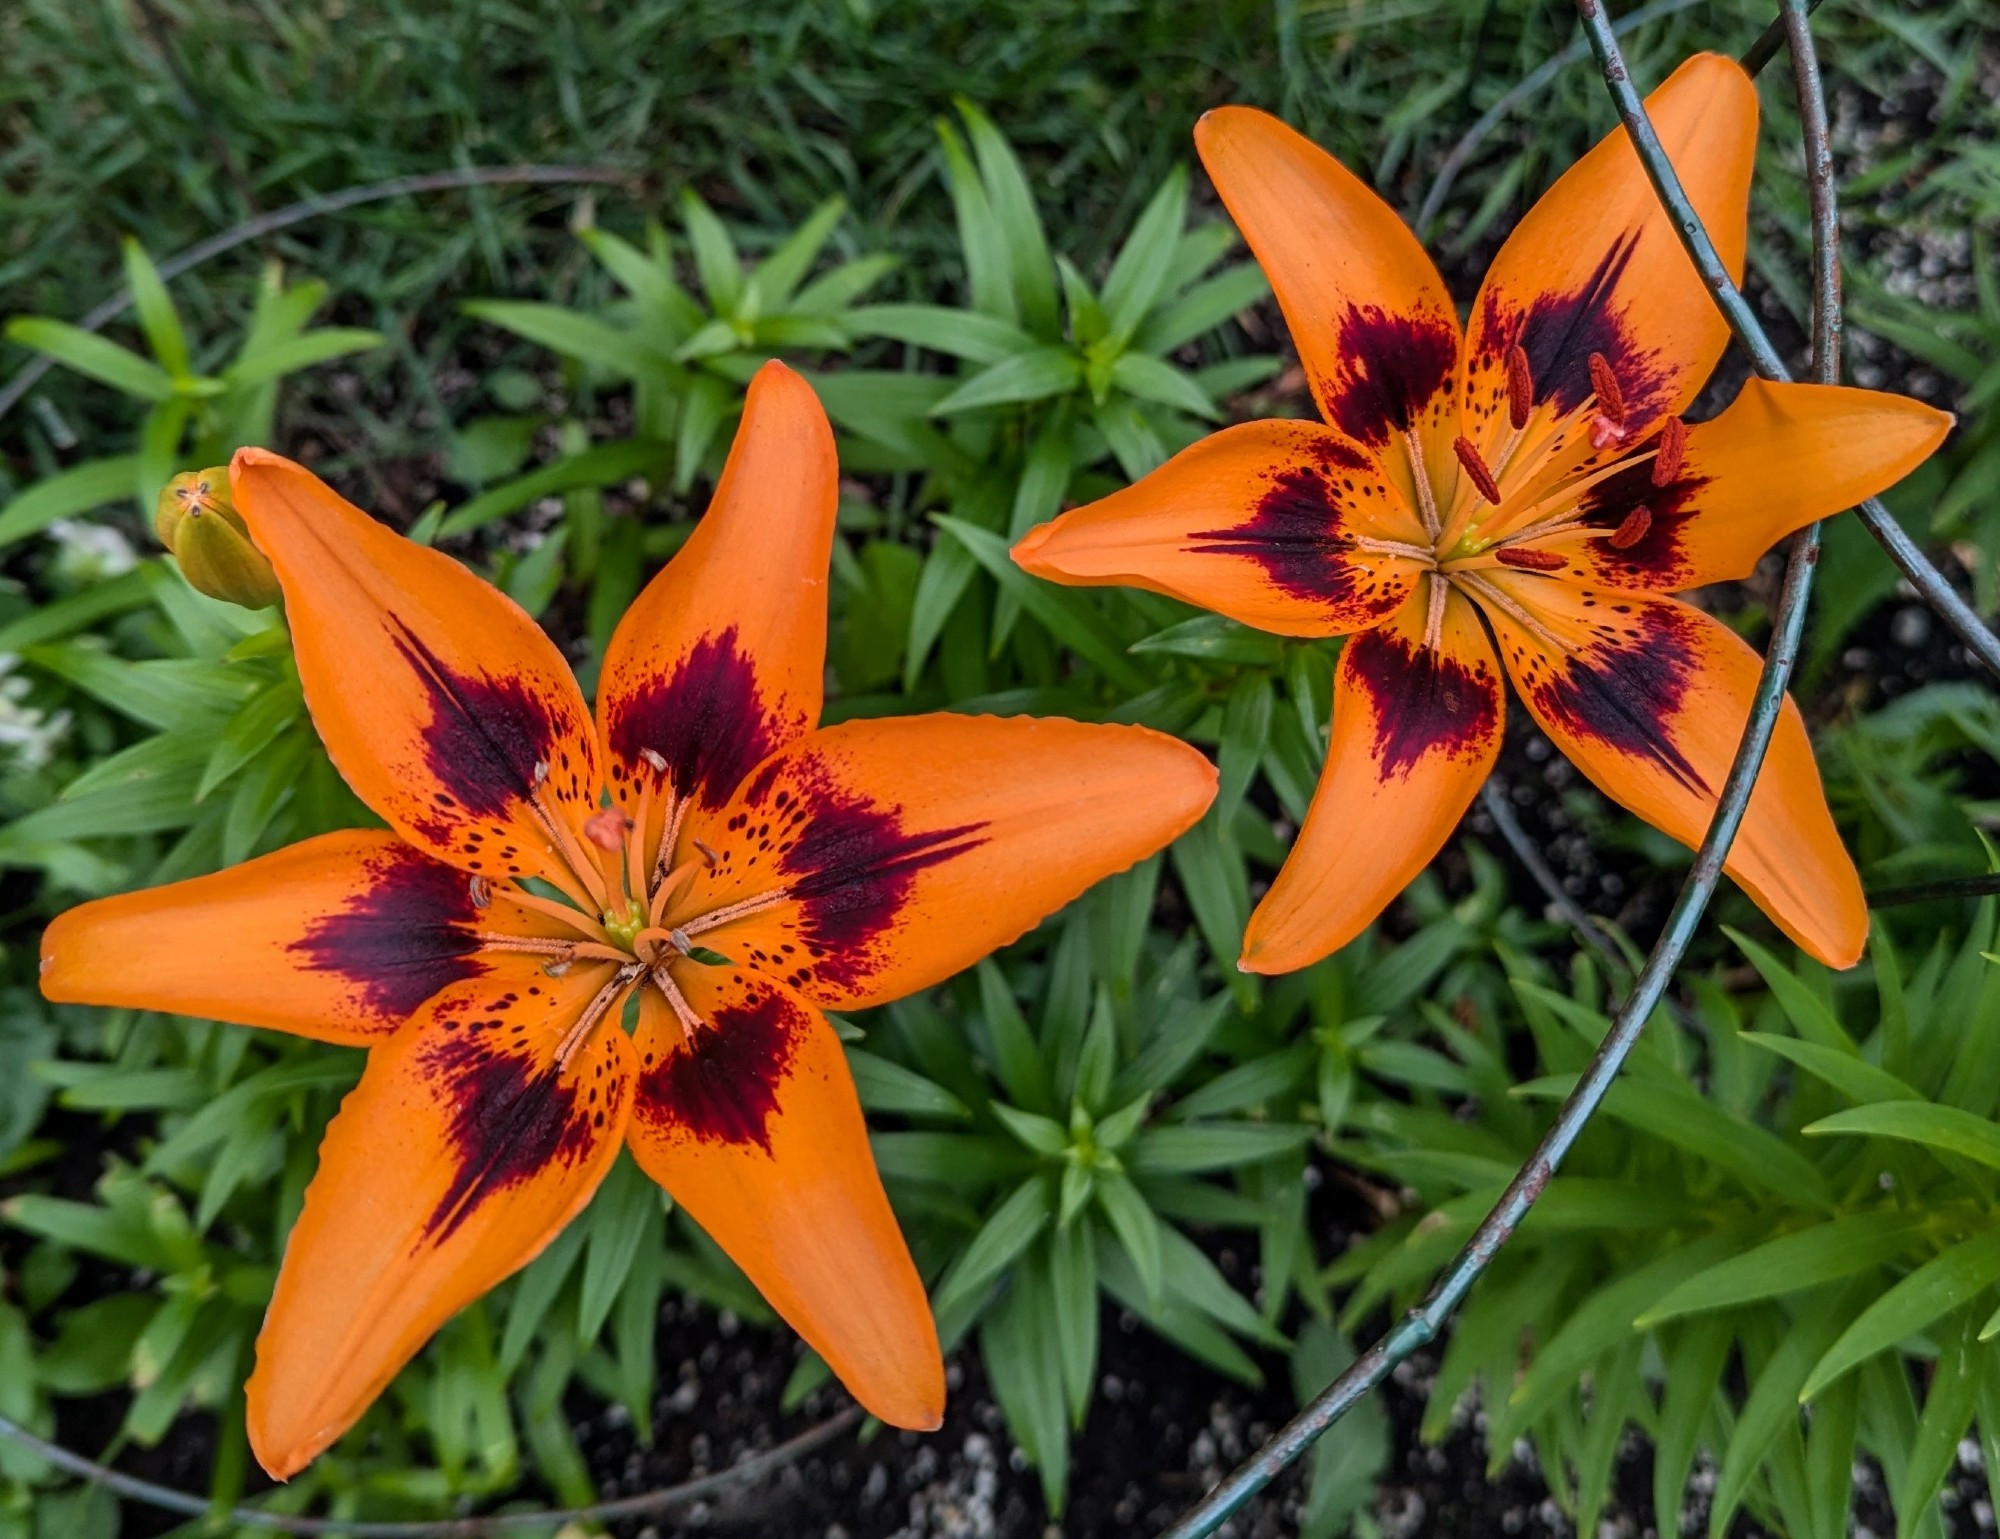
<point>1532,560</point>
<point>1520,387</point>
<point>606,828</point>
<point>1475,467</point>
<point>1672,450</point>
<point>708,856</point>
<point>1632,528</point>
<point>1610,399</point>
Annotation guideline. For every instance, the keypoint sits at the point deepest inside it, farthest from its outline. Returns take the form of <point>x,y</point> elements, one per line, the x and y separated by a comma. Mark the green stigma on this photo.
<point>624,928</point>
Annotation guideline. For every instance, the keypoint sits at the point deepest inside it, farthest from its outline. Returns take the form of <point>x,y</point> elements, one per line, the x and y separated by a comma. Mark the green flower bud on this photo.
<point>197,520</point>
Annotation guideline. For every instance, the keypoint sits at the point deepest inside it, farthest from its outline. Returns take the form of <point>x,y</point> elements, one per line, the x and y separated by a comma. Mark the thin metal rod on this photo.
<point>1422,1324</point>
<point>1925,578</point>
<point>1493,797</point>
<point>1936,892</point>
<point>311,208</point>
<point>1528,85</point>
<point>754,1468</point>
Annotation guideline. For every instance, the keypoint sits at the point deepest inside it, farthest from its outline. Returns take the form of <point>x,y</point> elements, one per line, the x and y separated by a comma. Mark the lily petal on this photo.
<point>1596,268</point>
<point>1257,522</point>
<point>464,1150</point>
<point>442,704</point>
<point>755,1129</point>
<point>876,858</point>
<point>1778,458</point>
<point>338,938</point>
<point>1648,696</point>
<point>720,661</point>
<point>1416,731</point>
<point>1373,321</point>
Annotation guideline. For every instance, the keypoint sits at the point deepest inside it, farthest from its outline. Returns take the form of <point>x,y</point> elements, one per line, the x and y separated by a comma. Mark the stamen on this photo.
<point>1532,560</point>
<point>1520,388</point>
<point>566,843</point>
<point>1487,593</point>
<point>1673,448</point>
<point>1610,399</point>
<point>576,919</point>
<point>481,891</point>
<point>708,856</point>
<point>663,980</point>
<point>655,758</point>
<point>526,945</point>
<point>1437,590</point>
<point>599,1006</point>
<point>635,861</point>
<point>1398,548</point>
<point>1632,529</point>
<point>1475,467</point>
<point>739,910</point>
<point>669,887</point>
<point>1421,475</point>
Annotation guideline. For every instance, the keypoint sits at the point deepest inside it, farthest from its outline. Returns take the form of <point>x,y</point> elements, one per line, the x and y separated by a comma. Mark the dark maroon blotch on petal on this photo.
<point>1653,558</point>
<point>1425,702</point>
<point>510,1117</point>
<point>705,716</point>
<point>1391,367</point>
<point>488,740</point>
<point>1297,532</point>
<point>407,934</point>
<point>1626,687</point>
<point>723,1086</point>
<point>1560,331</point>
<point>851,862</point>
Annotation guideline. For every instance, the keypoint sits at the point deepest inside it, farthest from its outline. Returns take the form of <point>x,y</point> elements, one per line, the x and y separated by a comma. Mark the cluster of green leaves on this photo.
<point>199,403</point>
<point>1780,1223</point>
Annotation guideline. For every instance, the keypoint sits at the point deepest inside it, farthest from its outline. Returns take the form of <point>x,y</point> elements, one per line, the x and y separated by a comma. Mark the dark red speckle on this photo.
<point>485,736</point>
<point>510,1118</point>
<point>402,938</point>
<point>705,716</point>
<point>1391,367</point>
<point>1626,687</point>
<point>1425,702</point>
<point>723,1086</point>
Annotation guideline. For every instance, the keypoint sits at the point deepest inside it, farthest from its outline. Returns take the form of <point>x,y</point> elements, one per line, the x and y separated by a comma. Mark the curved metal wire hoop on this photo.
<point>1423,1323</point>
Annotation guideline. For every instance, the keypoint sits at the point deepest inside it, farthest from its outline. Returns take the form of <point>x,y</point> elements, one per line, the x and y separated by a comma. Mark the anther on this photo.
<point>655,758</point>
<point>481,891</point>
<point>1475,467</point>
<point>1520,388</point>
<point>1533,560</point>
<point>681,942</point>
<point>1610,399</point>
<point>1632,528</point>
<point>541,770</point>
<point>1673,448</point>
<point>606,829</point>
<point>708,856</point>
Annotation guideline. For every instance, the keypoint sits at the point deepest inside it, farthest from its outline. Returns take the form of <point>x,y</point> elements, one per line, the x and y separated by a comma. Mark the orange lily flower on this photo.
<point>1520,494</point>
<point>736,867</point>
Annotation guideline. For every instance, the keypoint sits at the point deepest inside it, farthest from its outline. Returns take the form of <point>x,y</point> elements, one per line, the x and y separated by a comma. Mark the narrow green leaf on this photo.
<point>93,356</point>
<point>1034,375</point>
<point>297,353</point>
<point>780,274</point>
<point>1019,221</point>
<point>1940,1285</point>
<point>1944,1128</point>
<point>1154,379</point>
<point>1138,1230</point>
<point>1789,1263</point>
<point>968,334</point>
<point>1140,271</point>
<point>66,494</point>
<point>886,1086</point>
<point>715,257</point>
<point>155,309</point>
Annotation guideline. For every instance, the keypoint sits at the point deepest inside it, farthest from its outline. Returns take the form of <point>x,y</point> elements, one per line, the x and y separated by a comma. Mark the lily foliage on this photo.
<point>1107,1130</point>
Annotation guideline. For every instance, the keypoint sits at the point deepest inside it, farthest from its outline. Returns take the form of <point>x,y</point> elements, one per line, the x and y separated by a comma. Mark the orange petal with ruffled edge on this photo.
<point>441,703</point>
<point>1778,458</point>
<point>1373,322</point>
<point>876,858</point>
<point>1648,696</point>
<point>1416,731</point>
<point>721,660</point>
<point>338,938</point>
<point>753,1126</point>
<point>1258,522</point>
<point>1596,268</point>
<point>463,1152</point>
